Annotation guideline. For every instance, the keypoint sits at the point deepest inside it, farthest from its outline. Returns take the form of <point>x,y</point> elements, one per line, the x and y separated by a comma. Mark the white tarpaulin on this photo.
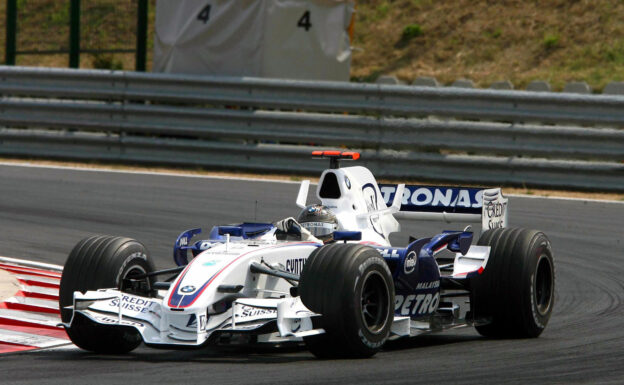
<point>296,39</point>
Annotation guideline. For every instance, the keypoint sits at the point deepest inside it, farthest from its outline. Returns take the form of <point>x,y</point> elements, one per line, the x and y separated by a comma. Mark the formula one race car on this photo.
<point>329,278</point>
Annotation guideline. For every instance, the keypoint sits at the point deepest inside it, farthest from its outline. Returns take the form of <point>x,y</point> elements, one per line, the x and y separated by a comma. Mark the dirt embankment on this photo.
<point>486,41</point>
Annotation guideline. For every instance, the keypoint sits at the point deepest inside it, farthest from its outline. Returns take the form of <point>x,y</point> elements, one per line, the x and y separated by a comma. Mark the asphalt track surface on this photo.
<point>44,212</point>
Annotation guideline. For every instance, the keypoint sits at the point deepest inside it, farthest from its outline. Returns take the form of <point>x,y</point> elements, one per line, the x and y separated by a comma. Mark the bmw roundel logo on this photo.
<point>187,289</point>
<point>348,182</point>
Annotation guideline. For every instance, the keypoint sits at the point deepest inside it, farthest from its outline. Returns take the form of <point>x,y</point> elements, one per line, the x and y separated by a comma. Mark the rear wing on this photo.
<point>450,204</point>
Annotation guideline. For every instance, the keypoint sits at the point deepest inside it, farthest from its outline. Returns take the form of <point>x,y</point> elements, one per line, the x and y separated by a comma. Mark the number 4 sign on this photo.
<point>304,21</point>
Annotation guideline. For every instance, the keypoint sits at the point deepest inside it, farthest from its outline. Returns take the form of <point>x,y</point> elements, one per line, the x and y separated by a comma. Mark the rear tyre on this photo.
<point>516,290</point>
<point>351,287</point>
<point>104,262</point>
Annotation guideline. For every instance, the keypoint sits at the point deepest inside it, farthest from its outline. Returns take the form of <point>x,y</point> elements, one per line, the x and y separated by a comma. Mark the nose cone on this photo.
<point>196,278</point>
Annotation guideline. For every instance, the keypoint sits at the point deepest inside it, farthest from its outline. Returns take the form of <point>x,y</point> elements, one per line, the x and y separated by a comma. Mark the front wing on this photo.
<point>284,319</point>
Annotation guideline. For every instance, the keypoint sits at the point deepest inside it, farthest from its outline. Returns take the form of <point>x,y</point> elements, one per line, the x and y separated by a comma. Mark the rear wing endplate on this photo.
<point>450,204</point>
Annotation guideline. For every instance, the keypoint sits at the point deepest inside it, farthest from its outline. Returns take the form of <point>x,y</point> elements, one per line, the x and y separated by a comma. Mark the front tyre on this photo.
<point>104,262</point>
<point>351,287</point>
<point>517,288</point>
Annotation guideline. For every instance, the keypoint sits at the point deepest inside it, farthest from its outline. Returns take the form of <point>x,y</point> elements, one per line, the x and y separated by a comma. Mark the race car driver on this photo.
<point>314,223</point>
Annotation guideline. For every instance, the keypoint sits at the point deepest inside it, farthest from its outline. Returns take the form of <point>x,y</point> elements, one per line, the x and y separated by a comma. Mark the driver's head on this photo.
<point>319,221</point>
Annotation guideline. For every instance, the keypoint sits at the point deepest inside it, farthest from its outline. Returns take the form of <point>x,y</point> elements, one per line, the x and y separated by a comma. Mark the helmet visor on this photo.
<point>319,229</point>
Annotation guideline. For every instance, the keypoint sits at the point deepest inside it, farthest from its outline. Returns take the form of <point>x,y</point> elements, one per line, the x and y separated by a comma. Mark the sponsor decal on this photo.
<point>495,213</point>
<point>428,285</point>
<point>416,304</point>
<point>494,209</point>
<point>210,263</point>
<point>348,182</point>
<point>389,253</point>
<point>296,325</point>
<point>188,289</point>
<point>136,304</point>
<point>441,197</point>
<point>192,322</point>
<point>370,197</point>
<point>249,311</point>
<point>111,320</point>
<point>295,266</point>
<point>183,241</point>
<point>410,263</point>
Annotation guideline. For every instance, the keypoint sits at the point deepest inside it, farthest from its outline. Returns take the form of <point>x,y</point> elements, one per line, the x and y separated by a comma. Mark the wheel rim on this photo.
<point>543,286</point>
<point>375,301</point>
<point>133,285</point>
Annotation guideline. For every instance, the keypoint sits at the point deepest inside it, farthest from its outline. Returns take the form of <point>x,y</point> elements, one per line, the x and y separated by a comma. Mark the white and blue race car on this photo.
<point>276,283</point>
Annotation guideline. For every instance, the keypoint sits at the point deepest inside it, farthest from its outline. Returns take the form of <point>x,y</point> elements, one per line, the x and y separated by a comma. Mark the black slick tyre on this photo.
<point>103,262</point>
<point>515,293</point>
<point>351,287</point>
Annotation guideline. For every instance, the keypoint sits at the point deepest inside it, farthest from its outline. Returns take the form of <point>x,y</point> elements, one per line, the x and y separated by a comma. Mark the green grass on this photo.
<point>550,41</point>
<point>106,62</point>
<point>411,31</point>
<point>494,34</point>
<point>59,17</point>
<point>382,10</point>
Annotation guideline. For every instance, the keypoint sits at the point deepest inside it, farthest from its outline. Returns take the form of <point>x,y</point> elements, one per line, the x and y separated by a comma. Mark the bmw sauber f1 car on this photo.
<point>335,283</point>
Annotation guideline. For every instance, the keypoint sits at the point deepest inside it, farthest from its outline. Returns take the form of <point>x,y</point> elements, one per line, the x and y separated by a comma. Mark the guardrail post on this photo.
<point>11,29</point>
<point>614,88</point>
<point>539,86</point>
<point>74,34</point>
<point>502,85</point>
<point>463,83</point>
<point>577,88</point>
<point>141,43</point>
<point>426,81</point>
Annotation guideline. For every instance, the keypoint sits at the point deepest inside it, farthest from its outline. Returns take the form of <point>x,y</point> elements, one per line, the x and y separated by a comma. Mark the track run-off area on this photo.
<point>45,211</point>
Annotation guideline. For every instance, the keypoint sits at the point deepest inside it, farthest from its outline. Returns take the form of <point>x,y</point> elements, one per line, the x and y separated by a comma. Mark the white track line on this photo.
<point>32,264</point>
<point>29,271</point>
<point>564,198</point>
<point>38,290</point>
<point>36,340</point>
<point>163,173</point>
<point>34,318</point>
<point>68,347</point>
<point>38,278</point>
<point>35,302</point>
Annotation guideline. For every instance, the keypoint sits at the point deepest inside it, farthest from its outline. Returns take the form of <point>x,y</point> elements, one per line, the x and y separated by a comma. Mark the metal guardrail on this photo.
<point>387,100</point>
<point>352,131</point>
<point>521,138</point>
